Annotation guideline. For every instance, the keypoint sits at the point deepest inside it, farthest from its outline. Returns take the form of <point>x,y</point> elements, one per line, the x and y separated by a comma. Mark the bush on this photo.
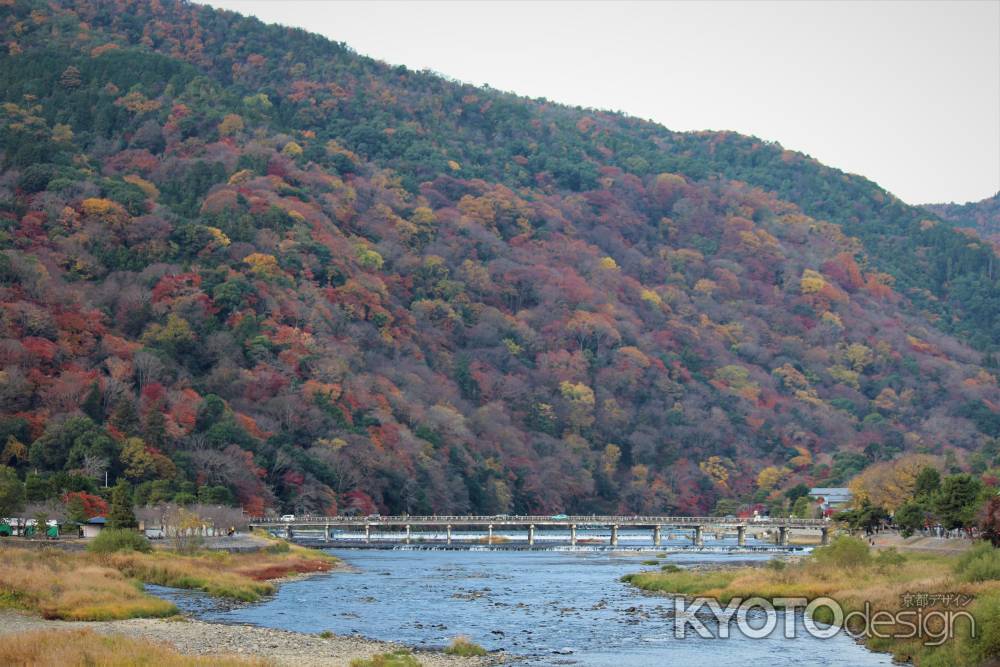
<point>670,567</point>
<point>844,552</point>
<point>889,558</point>
<point>980,563</point>
<point>119,539</point>
<point>464,647</point>
<point>394,659</point>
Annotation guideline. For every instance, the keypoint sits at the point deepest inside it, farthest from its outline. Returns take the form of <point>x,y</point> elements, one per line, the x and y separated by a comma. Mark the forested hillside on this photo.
<point>981,216</point>
<point>241,263</point>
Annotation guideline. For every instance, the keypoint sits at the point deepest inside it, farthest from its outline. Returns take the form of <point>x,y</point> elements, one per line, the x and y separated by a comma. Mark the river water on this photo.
<point>554,607</point>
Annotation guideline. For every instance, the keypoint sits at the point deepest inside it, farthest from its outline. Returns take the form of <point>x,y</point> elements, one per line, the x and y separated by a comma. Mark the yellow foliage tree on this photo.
<point>231,124</point>
<point>610,457</point>
<point>859,356</point>
<point>771,476</point>
<point>717,469</point>
<point>811,282</point>
<point>262,264</point>
<point>147,187</point>
<point>890,484</point>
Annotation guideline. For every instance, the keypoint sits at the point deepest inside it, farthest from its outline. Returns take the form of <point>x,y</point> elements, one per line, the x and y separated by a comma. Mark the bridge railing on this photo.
<point>543,520</point>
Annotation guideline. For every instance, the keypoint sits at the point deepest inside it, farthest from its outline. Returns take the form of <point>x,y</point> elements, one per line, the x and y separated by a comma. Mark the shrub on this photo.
<point>119,539</point>
<point>670,567</point>
<point>464,647</point>
<point>844,552</point>
<point>650,562</point>
<point>980,563</point>
<point>889,558</point>
<point>394,659</point>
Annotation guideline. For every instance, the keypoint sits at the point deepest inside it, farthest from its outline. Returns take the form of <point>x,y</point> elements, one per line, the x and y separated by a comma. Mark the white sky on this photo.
<point>905,93</point>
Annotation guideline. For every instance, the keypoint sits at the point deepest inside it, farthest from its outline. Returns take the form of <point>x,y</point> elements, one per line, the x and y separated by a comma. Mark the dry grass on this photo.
<point>70,586</point>
<point>242,576</point>
<point>59,648</point>
<point>882,581</point>
<point>99,587</point>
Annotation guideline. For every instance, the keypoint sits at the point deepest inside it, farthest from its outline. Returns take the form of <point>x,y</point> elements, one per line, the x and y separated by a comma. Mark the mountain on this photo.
<point>241,263</point>
<point>982,216</point>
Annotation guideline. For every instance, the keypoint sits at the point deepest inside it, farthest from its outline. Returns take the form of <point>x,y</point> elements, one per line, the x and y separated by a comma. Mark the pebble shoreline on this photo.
<point>282,647</point>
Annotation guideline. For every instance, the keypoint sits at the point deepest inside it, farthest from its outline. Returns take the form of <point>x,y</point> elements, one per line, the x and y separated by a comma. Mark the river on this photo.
<point>556,607</point>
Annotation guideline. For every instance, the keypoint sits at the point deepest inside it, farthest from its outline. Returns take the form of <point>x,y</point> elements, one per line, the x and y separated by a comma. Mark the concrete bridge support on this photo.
<point>531,535</point>
<point>657,540</point>
<point>489,534</point>
<point>407,533</point>
<point>783,536</point>
<point>329,533</point>
<point>288,532</point>
<point>572,534</point>
<point>368,532</point>
<point>614,536</point>
<point>824,536</point>
<point>699,540</point>
<point>449,533</point>
<point>741,535</point>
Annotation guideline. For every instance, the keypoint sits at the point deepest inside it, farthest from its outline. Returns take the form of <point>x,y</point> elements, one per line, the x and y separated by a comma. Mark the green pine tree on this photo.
<point>93,405</point>
<point>155,429</point>
<point>121,514</point>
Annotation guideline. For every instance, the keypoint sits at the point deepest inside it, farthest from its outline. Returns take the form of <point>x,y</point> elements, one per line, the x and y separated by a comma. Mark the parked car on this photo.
<point>155,533</point>
<point>287,518</point>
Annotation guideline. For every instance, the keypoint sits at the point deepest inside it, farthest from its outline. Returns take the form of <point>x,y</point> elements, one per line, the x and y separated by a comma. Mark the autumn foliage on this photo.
<point>242,264</point>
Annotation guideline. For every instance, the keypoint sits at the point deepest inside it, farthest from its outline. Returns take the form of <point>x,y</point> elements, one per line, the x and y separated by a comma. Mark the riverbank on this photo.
<point>861,579</point>
<point>233,644</point>
<point>75,600</point>
<point>85,586</point>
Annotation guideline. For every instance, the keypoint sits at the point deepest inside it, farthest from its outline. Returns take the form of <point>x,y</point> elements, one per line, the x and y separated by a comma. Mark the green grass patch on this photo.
<point>464,647</point>
<point>394,659</point>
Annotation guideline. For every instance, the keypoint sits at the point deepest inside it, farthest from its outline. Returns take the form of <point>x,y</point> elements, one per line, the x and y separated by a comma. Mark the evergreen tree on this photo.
<point>11,492</point>
<point>76,511</point>
<point>155,429</point>
<point>124,417</point>
<point>957,500</point>
<point>92,405</point>
<point>121,514</point>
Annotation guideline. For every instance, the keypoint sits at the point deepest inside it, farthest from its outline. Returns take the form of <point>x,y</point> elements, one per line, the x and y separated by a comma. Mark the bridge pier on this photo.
<point>698,539</point>
<point>741,536</point>
<point>288,532</point>
<point>614,535</point>
<point>656,536</point>
<point>368,533</point>
<point>329,533</point>
<point>489,539</point>
<point>407,533</point>
<point>449,533</point>
<point>572,534</point>
<point>824,536</point>
<point>531,535</point>
<point>783,536</point>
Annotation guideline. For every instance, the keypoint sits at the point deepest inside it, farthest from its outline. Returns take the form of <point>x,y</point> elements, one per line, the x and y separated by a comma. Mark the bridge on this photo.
<point>449,529</point>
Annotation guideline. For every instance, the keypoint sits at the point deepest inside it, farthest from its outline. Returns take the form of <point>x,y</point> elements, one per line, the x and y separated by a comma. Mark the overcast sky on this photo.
<point>905,93</point>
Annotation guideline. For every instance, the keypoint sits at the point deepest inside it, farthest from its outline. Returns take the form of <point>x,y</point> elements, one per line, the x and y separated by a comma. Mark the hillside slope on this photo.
<point>982,216</point>
<point>243,263</point>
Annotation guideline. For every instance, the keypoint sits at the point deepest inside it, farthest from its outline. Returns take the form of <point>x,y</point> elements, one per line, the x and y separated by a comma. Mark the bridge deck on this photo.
<point>540,522</point>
